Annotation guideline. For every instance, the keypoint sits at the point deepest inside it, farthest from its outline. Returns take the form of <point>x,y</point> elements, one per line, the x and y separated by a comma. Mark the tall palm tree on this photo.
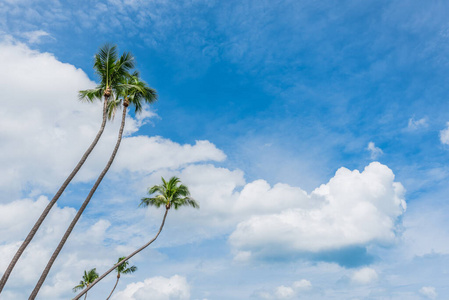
<point>134,91</point>
<point>110,70</point>
<point>122,269</point>
<point>169,194</point>
<point>88,278</point>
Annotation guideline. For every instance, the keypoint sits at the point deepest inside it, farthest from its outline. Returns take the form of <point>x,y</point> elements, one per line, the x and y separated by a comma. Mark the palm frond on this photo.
<point>130,270</point>
<point>91,276</point>
<point>157,201</point>
<point>91,94</point>
<point>105,63</point>
<point>156,188</point>
<point>80,286</point>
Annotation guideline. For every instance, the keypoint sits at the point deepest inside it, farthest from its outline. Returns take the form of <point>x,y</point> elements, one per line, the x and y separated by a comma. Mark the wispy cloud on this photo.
<point>417,124</point>
<point>444,135</point>
<point>375,151</point>
<point>35,37</point>
<point>429,292</point>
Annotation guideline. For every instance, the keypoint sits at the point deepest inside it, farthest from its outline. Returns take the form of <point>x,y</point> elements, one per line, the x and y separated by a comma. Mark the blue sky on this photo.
<point>261,103</point>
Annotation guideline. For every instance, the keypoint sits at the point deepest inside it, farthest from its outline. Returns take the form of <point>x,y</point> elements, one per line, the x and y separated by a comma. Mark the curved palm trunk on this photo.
<point>122,261</point>
<point>53,201</point>
<point>118,278</point>
<point>80,211</point>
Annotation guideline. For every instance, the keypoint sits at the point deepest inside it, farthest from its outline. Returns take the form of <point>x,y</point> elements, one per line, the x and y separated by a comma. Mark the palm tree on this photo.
<point>110,70</point>
<point>88,278</point>
<point>131,90</point>
<point>122,269</point>
<point>169,194</point>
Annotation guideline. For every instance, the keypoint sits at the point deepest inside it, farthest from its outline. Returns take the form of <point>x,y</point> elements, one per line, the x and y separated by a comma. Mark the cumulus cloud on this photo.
<point>429,292</point>
<point>444,135</point>
<point>160,288</point>
<point>353,209</point>
<point>364,276</point>
<point>375,151</point>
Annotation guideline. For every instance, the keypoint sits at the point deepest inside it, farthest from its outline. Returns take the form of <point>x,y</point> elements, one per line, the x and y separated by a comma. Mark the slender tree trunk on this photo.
<point>80,211</point>
<point>123,260</point>
<point>53,201</point>
<point>118,278</point>
<point>85,296</point>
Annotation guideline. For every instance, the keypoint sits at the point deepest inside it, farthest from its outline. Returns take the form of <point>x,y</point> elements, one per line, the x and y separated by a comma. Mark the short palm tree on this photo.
<point>131,90</point>
<point>169,194</point>
<point>88,278</point>
<point>110,70</point>
<point>122,269</point>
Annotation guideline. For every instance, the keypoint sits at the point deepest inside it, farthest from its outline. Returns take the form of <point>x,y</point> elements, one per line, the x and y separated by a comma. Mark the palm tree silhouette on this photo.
<point>170,194</point>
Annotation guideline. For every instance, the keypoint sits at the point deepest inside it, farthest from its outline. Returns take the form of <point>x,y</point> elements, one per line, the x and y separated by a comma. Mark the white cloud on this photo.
<point>444,135</point>
<point>35,36</point>
<point>146,154</point>
<point>302,285</point>
<point>364,276</point>
<point>284,292</point>
<point>417,124</point>
<point>353,208</point>
<point>287,292</point>
<point>429,292</point>
<point>43,127</point>
<point>160,288</point>
<point>375,151</point>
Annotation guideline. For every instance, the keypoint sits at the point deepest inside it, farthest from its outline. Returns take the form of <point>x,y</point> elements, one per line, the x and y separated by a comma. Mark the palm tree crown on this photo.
<point>123,268</point>
<point>111,70</point>
<point>132,90</point>
<point>171,193</point>
<point>88,278</point>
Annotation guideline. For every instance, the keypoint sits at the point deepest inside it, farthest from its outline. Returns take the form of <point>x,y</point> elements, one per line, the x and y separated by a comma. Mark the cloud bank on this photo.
<point>353,209</point>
